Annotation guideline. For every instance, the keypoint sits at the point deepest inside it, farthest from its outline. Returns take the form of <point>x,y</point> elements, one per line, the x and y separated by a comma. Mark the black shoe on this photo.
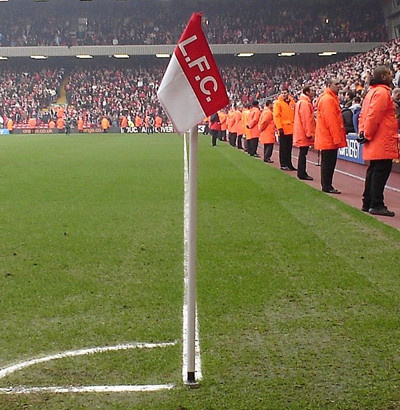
<point>285,168</point>
<point>383,211</point>
<point>292,169</point>
<point>269,160</point>
<point>365,208</point>
<point>332,191</point>
<point>306,178</point>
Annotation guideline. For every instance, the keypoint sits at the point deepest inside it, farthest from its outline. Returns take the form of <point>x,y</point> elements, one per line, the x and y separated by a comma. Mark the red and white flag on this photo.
<point>192,87</point>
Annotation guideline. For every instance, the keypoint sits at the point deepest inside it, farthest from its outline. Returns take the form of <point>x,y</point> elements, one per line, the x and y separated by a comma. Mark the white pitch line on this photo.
<point>198,371</point>
<point>87,389</point>
<point>72,353</point>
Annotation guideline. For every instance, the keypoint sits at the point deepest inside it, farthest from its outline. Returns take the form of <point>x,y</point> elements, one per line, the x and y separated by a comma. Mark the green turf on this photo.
<point>297,292</point>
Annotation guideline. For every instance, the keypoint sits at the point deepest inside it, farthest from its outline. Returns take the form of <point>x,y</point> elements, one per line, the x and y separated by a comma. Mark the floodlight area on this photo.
<point>162,55</point>
<point>84,56</point>
<point>289,54</point>
<point>245,55</point>
<point>121,55</point>
<point>1,57</point>
<point>327,53</point>
<point>39,57</point>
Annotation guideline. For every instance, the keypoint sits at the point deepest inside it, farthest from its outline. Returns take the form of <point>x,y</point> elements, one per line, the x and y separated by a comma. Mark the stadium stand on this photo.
<point>152,22</point>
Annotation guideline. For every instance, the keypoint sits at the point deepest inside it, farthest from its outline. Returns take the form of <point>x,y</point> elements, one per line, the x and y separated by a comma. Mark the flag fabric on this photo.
<point>192,87</point>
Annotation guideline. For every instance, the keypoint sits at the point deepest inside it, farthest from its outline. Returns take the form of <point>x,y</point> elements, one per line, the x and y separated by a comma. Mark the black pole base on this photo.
<point>191,380</point>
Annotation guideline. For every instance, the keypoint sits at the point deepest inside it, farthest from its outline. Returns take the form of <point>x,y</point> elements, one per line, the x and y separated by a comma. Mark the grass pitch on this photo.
<point>297,292</point>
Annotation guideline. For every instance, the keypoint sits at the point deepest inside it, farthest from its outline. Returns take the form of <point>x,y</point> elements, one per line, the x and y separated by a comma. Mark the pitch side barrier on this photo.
<point>96,130</point>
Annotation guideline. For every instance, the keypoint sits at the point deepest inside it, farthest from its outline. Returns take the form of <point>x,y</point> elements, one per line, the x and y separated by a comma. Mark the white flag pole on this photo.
<point>191,304</point>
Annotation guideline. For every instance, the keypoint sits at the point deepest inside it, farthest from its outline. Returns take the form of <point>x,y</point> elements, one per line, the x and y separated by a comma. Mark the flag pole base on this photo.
<point>191,380</point>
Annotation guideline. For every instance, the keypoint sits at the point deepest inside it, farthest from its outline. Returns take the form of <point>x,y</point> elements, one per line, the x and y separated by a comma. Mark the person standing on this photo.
<point>223,120</point>
<point>10,125</point>
<point>105,124</point>
<point>215,128</point>
<point>231,123</point>
<point>246,130</point>
<point>330,134</point>
<point>123,123</point>
<point>379,135</point>
<point>266,126</point>
<point>239,127</point>
<point>304,130</point>
<point>284,120</point>
<point>254,117</point>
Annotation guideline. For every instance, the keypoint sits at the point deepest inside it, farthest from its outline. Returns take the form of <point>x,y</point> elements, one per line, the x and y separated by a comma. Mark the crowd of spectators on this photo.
<point>94,92</point>
<point>154,22</point>
<point>27,93</point>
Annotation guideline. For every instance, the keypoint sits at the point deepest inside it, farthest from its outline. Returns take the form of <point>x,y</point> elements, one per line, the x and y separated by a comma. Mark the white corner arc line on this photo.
<point>87,389</point>
<point>72,353</point>
<point>198,371</point>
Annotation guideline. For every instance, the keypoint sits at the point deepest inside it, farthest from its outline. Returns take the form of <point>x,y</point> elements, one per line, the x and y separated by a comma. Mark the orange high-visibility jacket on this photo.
<point>105,125</point>
<point>158,121</point>
<point>238,122</point>
<point>379,123</point>
<point>245,121</point>
<point>284,114</point>
<point>231,120</point>
<point>52,124</point>
<point>222,120</point>
<point>329,131</point>
<point>32,123</point>
<point>138,121</point>
<point>266,126</point>
<point>254,117</point>
<point>80,124</point>
<point>124,122</point>
<point>304,123</point>
<point>60,123</point>
<point>10,124</point>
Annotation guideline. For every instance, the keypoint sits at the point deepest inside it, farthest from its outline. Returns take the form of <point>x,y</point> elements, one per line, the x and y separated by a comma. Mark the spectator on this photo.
<point>330,133</point>
<point>379,134</point>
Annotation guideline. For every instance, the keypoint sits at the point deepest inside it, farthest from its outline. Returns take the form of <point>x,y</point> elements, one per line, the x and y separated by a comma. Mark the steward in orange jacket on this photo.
<point>245,121</point>
<point>60,124</point>
<point>80,125</point>
<point>138,121</point>
<point>223,119</point>
<point>266,126</point>
<point>124,124</point>
<point>105,125</point>
<point>239,127</point>
<point>252,125</point>
<point>158,123</point>
<point>304,129</point>
<point>330,134</point>
<point>32,124</point>
<point>231,124</point>
<point>10,125</point>
<point>379,135</point>
<point>284,120</point>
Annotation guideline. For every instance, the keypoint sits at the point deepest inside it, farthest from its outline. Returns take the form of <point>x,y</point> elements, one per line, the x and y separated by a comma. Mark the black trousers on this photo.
<point>285,150</point>
<point>214,137</point>
<point>268,149</point>
<point>252,146</point>
<point>239,141</point>
<point>375,180</point>
<point>328,164</point>
<point>302,162</point>
<point>232,138</point>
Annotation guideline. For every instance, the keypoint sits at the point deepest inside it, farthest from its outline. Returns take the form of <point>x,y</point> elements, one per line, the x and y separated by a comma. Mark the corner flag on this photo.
<point>192,87</point>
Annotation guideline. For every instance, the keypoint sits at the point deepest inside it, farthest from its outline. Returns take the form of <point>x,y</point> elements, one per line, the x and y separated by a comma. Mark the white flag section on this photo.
<point>192,87</point>
<point>178,98</point>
